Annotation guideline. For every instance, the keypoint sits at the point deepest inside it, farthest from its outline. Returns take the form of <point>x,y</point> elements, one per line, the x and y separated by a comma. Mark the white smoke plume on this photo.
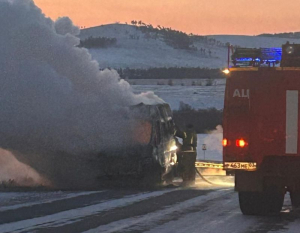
<point>64,25</point>
<point>53,98</point>
<point>214,138</point>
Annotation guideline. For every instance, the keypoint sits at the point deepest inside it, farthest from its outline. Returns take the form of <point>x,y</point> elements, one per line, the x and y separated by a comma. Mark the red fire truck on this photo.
<point>261,143</point>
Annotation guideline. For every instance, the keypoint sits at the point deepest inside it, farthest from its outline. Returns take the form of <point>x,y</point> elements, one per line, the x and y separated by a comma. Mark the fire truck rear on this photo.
<point>261,125</point>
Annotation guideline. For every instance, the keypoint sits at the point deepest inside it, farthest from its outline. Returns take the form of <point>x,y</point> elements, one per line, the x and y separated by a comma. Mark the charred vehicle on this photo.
<point>146,157</point>
<point>261,127</point>
<point>151,158</point>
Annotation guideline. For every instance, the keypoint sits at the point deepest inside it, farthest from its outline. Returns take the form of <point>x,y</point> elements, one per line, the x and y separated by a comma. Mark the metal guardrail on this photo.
<point>209,164</point>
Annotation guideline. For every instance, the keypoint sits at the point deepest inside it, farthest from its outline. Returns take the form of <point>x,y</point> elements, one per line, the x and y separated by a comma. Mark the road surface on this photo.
<point>202,208</point>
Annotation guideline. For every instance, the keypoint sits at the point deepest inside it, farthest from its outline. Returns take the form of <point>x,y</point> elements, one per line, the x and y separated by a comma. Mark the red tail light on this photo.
<point>240,143</point>
<point>224,142</point>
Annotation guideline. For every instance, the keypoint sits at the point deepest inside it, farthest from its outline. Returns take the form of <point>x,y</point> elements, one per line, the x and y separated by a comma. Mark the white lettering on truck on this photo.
<point>243,93</point>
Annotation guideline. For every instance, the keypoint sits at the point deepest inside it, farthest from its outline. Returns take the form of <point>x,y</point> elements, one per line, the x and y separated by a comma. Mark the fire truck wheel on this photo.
<point>295,198</point>
<point>251,203</point>
<point>261,203</point>
<point>275,199</point>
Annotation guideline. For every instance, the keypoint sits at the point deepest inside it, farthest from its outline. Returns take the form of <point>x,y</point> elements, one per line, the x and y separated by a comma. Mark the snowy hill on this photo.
<point>254,41</point>
<point>138,49</point>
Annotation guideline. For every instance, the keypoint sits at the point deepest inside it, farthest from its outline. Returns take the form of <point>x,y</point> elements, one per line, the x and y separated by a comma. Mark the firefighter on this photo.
<point>189,154</point>
<point>190,140</point>
<point>179,134</point>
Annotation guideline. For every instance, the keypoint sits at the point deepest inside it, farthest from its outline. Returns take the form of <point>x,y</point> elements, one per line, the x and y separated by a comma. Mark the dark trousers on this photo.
<point>186,165</point>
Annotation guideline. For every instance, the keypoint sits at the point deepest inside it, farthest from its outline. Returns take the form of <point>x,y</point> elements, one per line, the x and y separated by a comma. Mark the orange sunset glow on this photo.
<point>244,17</point>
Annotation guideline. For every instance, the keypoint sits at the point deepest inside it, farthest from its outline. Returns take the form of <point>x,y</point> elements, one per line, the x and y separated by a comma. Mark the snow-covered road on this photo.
<point>202,208</point>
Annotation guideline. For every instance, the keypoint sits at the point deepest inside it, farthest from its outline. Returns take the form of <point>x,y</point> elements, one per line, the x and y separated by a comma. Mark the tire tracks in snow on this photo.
<point>142,223</point>
<point>114,199</point>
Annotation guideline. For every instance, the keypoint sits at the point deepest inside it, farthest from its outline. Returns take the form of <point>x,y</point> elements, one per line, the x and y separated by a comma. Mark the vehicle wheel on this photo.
<point>295,198</point>
<point>251,203</point>
<point>275,200</point>
<point>261,203</point>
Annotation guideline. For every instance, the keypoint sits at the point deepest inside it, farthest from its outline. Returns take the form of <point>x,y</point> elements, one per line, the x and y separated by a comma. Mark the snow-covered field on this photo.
<point>254,41</point>
<point>196,96</point>
<point>176,82</point>
<point>146,52</point>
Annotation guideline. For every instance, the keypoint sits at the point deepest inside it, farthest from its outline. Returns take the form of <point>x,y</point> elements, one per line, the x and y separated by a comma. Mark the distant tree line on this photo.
<point>176,39</point>
<point>98,42</point>
<point>179,40</point>
<point>202,119</point>
<point>171,73</point>
<point>295,35</point>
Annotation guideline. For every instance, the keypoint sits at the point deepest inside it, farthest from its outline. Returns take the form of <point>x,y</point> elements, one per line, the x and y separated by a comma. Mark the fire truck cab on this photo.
<point>261,127</point>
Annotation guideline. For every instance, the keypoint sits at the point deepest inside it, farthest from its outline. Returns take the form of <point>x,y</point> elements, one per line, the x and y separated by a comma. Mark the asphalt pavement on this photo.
<point>200,208</point>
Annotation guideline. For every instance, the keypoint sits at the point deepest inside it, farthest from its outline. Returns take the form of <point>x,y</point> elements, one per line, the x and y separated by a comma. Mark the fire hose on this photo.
<point>207,164</point>
<point>202,177</point>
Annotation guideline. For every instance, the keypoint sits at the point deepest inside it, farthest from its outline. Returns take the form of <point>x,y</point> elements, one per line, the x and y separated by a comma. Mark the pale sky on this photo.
<point>203,17</point>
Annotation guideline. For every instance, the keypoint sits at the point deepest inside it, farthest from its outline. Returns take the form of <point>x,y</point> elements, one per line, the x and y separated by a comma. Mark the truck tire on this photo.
<point>261,203</point>
<point>251,203</point>
<point>275,200</point>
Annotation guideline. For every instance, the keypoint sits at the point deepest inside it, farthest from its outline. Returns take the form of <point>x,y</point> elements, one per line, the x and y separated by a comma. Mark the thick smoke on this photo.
<point>64,25</point>
<point>53,98</point>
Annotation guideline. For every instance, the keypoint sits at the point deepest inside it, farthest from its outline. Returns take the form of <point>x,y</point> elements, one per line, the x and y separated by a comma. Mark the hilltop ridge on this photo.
<point>143,47</point>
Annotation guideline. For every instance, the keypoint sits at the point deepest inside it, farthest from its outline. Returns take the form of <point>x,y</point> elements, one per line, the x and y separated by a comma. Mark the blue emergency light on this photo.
<point>271,54</point>
<point>256,57</point>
